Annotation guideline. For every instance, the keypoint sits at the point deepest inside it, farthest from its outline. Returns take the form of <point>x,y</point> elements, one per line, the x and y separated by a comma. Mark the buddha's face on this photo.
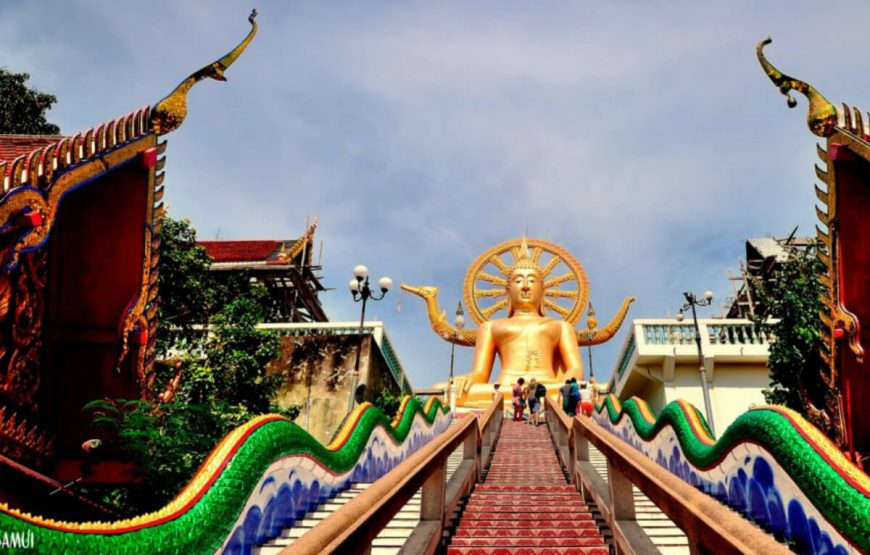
<point>525,291</point>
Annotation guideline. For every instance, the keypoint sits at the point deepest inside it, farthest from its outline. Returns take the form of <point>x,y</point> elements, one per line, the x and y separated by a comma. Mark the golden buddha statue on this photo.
<point>528,343</point>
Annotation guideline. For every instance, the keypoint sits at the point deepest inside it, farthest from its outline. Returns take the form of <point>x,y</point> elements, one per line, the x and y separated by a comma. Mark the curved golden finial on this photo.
<point>821,116</point>
<point>169,113</point>
<point>594,335</point>
<point>438,318</point>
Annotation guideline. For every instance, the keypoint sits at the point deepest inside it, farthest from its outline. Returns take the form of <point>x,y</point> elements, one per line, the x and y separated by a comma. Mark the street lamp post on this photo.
<point>359,288</point>
<point>591,323</point>
<point>459,323</point>
<point>691,302</point>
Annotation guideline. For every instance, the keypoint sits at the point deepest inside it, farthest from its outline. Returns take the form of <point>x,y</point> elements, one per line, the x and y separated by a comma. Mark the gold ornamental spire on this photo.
<point>524,260</point>
<point>821,116</point>
<point>169,113</point>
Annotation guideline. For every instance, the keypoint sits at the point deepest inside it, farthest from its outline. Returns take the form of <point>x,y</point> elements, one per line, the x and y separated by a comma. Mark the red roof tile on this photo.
<point>240,251</point>
<point>13,146</point>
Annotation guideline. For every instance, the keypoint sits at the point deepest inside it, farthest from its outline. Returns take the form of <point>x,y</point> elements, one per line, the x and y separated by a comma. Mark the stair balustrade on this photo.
<point>710,526</point>
<point>352,528</point>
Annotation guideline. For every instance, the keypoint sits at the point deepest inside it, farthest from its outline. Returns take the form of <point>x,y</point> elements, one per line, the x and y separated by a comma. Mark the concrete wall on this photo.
<point>659,363</point>
<point>317,372</point>
<point>733,389</point>
<point>325,364</point>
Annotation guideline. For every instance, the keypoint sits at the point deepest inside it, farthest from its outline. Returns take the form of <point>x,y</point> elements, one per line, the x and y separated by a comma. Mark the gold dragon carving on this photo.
<point>821,116</point>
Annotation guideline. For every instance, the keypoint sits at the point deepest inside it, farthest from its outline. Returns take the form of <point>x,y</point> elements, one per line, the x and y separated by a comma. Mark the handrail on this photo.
<point>559,425</point>
<point>490,427</point>
<point>708,524</point>
<point>357,523</point>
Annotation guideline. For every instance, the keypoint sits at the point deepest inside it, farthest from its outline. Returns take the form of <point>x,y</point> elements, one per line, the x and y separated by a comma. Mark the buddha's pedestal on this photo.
<point>480,396</point>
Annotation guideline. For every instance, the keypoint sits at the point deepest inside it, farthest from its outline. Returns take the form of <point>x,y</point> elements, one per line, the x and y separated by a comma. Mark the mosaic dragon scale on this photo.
<point>771,465</point>
<point>259,479</point>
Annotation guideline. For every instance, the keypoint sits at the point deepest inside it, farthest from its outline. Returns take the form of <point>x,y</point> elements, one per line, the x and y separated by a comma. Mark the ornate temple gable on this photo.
<point>80,221</point>
<point>844,228</point>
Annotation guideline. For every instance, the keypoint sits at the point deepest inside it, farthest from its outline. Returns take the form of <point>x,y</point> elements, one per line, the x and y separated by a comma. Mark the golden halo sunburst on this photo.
<point>566,288</point>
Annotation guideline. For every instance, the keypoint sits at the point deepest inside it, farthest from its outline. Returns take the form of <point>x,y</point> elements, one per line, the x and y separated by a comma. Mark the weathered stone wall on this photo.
<point>317,370</point>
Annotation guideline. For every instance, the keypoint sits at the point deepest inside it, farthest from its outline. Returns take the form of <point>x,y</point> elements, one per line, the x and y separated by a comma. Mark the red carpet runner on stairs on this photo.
<point>525,505</point>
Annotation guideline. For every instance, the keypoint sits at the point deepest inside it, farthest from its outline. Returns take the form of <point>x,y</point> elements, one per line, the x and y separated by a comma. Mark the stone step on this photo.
<point>661,530</point>
<point>598,550</point>
<point>525,503</point>
<point>540,532</point>
<point>528,542</point>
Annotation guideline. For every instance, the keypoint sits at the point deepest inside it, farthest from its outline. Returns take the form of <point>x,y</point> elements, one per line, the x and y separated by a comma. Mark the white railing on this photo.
<point>653,340</point>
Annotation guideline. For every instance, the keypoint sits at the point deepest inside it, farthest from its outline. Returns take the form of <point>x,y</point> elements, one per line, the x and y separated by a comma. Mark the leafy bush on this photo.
<point>792,298</point>
<point>220,375</point>
<point>387,402</point>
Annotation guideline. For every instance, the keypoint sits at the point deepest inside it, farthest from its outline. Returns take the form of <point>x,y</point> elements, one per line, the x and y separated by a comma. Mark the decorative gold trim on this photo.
<point>299,246</point>
<point>56,158</point>
<point>169,113</point>
<point>821,115</point>
<point>140,312</point>
<point>18,429</point>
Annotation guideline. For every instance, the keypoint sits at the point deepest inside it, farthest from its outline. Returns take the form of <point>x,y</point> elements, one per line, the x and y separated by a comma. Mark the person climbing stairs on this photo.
<point>525,505</point>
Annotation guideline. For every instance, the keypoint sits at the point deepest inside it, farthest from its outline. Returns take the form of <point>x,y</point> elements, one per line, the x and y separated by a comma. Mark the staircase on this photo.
<point>388,542</point>
<point>662,531</point>
<point>525,505</point>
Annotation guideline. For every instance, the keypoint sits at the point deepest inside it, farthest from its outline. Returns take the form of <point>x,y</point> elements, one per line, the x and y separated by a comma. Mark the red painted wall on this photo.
<point>853,219</point>
<point>95,270</point>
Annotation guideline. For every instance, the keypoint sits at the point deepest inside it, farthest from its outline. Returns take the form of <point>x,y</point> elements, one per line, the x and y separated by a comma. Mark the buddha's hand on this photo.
<point>463,386</point>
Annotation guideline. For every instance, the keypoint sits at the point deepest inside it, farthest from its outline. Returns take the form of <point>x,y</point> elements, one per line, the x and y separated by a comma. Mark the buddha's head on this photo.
<point>525,285</point>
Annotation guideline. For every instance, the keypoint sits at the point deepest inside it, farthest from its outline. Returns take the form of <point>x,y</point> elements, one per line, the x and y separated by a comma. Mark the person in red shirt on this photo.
<point>519,403</point>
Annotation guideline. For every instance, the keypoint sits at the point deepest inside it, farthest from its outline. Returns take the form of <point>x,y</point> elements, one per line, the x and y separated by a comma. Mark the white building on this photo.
<point>659,364</point>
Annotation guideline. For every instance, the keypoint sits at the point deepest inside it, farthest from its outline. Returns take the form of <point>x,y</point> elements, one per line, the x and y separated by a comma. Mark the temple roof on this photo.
<point>227,254</point>
<point>246,251</point>
<point>13,146</point>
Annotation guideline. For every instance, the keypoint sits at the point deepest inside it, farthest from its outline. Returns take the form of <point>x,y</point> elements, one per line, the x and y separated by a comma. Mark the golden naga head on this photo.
<point>169,113</point>
<point>821,114</point>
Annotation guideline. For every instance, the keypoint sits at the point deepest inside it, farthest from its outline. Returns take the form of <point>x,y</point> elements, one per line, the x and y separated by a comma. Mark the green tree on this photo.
<point>189,295</point>
<point>221,387</point>
<point>239,353</point>
<point>387,402</point>
<point>22,110</point>
<point>223,376</point>
<point>792,298</point>
<point>185,288</point>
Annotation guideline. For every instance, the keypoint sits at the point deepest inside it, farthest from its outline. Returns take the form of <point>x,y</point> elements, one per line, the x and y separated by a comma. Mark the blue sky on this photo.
<point>643,137</point>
